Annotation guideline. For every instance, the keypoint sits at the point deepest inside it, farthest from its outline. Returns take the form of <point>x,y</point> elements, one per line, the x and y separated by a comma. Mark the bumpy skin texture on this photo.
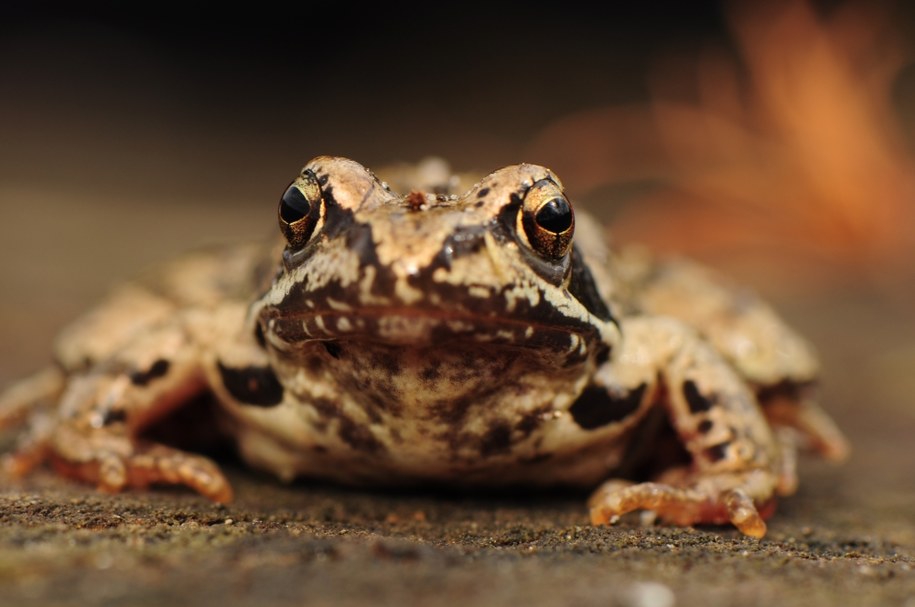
<point>456,333</point>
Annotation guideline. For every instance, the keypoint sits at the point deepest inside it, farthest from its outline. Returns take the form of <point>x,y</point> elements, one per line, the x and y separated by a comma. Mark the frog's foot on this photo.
<point>743,499</point>
<point>114,461</point>
<point>812,426</point>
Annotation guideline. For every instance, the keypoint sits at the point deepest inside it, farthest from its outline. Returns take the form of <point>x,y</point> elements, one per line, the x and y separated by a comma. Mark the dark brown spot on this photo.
<point>114,416</point>
<point>482,193</point>
<point>705,425</point>
<point>696,401</point>
<point>597,406</point>
<point>496,440</point>
<point>451,412</point>
<point>155,371</point>
<point>325,407</point>
<point>332,347</point>
<point>431,373</point>
<point>415,200</point>
<point>465,240</point>
<point>379,395</point>
<point>716,453</point>
<point>357,436</point>
<point>388,362</point>
<point>373,408</point>
<point>360,240</point>
<point>257,386</point>
<point>531,420</point>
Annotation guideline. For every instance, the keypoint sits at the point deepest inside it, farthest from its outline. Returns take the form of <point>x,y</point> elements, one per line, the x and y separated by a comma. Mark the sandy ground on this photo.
<point>278,545</point>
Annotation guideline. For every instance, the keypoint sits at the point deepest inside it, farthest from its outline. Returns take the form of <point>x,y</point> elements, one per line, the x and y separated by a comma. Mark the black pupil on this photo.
<point>555,216</point>
<point>295,206</point>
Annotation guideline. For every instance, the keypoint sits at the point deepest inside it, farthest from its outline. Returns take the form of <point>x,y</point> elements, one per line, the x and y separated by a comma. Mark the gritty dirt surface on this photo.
<point>277,545</point>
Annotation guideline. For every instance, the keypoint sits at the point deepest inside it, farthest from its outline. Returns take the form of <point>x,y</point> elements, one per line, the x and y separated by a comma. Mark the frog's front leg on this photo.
<point>734,470</point>
<point>95,434</point>
<point>779,364</point>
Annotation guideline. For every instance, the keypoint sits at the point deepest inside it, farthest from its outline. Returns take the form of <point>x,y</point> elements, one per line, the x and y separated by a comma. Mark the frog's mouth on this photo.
<point>419,328</point>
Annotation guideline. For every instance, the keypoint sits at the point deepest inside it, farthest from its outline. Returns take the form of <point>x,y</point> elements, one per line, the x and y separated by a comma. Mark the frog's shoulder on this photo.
<point>212,275</point>
<point>202,280</point>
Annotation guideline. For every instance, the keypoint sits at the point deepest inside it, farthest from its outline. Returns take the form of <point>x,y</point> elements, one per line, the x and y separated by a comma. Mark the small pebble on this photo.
<point>648,594</point>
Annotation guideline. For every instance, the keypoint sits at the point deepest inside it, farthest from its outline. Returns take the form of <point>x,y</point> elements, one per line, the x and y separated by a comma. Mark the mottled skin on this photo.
<point>456,334</point>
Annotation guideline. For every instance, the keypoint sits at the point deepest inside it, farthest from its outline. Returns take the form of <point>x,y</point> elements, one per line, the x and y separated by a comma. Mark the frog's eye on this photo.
<point>547,220</point>
<point>301,208</point>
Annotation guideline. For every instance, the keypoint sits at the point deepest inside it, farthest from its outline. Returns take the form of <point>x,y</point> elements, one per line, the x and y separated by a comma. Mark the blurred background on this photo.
<point>773,140</point>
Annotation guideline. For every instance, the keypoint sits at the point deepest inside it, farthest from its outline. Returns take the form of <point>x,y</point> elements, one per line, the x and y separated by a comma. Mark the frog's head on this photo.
<point>496,265</point>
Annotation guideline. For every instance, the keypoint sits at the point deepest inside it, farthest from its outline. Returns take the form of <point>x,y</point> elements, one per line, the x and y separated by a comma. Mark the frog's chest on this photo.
<point>366,413</point>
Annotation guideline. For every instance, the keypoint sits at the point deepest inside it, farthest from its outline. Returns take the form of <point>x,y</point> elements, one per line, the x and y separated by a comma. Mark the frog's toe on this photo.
<point>717,501</point>
<point>158,464</point>
<point>114,462</point>
<point>743,514</point>
<point>616,498</point>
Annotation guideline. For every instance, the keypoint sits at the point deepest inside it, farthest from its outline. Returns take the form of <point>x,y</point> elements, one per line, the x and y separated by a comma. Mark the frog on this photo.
<point>428,328</point>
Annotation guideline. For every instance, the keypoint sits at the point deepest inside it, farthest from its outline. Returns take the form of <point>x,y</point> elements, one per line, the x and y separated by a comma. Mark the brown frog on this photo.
<point>472,336</point>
